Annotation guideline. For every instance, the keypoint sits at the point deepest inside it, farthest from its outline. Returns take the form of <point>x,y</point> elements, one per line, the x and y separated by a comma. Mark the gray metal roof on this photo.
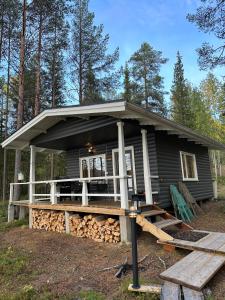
<point>118,109</point>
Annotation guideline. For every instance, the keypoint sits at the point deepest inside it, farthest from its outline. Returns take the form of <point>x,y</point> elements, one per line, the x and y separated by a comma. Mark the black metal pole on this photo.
<point>136,284</point>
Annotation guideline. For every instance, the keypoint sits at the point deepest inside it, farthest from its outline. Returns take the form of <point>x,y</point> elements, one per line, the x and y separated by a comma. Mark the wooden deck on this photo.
<point>96,207</point>
<point>213,242</point>
<point>194,270</point>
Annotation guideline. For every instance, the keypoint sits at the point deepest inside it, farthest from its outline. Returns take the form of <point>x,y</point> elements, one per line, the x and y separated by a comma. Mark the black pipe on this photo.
<point>136,284</point>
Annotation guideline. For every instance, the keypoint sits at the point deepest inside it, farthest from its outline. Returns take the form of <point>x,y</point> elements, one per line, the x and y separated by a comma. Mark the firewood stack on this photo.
<point>49,220</point>
<point>98,228</point>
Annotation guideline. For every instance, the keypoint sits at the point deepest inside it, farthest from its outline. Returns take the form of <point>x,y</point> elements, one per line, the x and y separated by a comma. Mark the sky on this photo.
<point>161,23</point>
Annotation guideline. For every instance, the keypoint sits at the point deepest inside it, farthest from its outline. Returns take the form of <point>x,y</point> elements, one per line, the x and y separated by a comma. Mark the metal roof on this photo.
<point>118,109</point>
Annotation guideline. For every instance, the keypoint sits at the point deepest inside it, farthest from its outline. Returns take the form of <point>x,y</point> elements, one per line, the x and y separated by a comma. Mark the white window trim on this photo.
<point>114,168</point>
<point>195,166</point>
<point>103,156</point>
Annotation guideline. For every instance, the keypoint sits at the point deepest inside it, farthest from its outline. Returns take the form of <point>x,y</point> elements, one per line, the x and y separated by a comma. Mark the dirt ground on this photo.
<point>66,265</point>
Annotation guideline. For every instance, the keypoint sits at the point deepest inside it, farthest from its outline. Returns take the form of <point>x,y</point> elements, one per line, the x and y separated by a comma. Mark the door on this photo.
<point>130,165</point>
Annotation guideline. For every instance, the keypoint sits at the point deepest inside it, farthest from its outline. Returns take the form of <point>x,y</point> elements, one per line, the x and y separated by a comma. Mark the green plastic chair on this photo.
<point>180,204</point>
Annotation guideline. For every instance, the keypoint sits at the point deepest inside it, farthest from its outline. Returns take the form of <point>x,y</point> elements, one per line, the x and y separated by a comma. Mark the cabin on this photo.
<point>114,151</point>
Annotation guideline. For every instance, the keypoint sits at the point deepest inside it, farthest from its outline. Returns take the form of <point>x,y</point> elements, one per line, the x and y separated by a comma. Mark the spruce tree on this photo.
<point>181,105</point>
<point>89,48</point>
<point>145,66</point>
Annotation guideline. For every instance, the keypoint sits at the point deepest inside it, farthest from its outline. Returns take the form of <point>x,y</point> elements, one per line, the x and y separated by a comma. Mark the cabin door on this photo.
<point>130,164</point>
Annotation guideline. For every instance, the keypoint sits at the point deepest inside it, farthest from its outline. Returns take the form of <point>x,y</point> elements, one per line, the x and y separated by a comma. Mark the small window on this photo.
<point>93,166</point>
<point>188,166</point>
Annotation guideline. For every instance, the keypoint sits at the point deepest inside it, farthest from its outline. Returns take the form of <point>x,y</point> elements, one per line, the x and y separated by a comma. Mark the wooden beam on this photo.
<point>150,227</point>
<point>80,208</point>
<point>152,288</point>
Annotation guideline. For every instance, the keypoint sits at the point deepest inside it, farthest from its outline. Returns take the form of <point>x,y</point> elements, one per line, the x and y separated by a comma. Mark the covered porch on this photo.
<point>106,177</point>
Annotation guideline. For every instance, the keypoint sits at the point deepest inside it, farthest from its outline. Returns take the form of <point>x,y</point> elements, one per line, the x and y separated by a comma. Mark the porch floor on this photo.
<point>98,206</point>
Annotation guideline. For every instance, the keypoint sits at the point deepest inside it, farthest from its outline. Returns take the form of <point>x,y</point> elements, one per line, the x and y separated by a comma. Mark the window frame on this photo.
<point>127,148</point>
<point>185,163</point>
<point>103,156</point>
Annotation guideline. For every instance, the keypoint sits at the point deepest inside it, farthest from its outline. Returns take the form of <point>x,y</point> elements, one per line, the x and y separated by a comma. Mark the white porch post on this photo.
<point>146,167</point>
<point>84,194</point>
<point>32,174</point>
<point>53,196</point>
<point>122,167</point>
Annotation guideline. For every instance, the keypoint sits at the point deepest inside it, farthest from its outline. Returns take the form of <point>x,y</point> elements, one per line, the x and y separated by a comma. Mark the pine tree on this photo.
<point>181,104</point>
<point>127,95</point>
<point>92,92</point>
<point>145,66</point>
<point>209,18</point>
<point>55,45</point>
<point>89,48</point>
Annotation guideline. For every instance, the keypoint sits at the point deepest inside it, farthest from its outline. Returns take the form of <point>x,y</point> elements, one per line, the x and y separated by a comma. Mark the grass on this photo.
<point>13,265</point>
<point>4,225</point>
<point>29,293</point>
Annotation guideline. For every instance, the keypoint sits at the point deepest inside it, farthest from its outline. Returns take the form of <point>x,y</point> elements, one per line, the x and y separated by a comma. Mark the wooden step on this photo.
<point>194,270</point>
<point>167,223</point>
<point>152,213</point>
<point>145,207</point>
<point>150,227</point>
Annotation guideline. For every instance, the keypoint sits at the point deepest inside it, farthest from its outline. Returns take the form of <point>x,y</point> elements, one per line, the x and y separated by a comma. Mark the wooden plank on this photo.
<point>153,288</point>
<point>167,223</point>
<point>213,241</point>
<point>170,291</point>
<point>151,213</point>
<point>192,295</point>
<point>149,227</point>
<point>194,270</point>
<point>76,208</point>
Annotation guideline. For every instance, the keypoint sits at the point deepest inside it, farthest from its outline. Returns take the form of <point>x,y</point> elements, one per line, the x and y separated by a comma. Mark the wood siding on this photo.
<point>72,159</point>
<point>169,167</point>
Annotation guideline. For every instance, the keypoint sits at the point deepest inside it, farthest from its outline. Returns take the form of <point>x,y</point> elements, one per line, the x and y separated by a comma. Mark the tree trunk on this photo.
<point>4,179</point>
<point>54,104</point>
<point>20,108</point>
<point>38,70</point>
<point>1,35</point>
<point>80,59</point>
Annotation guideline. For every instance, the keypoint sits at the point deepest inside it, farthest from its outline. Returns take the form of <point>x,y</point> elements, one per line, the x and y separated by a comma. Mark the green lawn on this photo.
<point>4,225</point>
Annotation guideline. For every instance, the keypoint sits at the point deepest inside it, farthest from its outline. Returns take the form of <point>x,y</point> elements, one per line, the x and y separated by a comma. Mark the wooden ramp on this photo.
<point>194,270</point>
<point>156,227</point>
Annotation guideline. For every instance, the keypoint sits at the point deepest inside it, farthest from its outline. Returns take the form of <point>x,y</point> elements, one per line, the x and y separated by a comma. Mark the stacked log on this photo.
<point>98,228</point>
<point>48,220</point>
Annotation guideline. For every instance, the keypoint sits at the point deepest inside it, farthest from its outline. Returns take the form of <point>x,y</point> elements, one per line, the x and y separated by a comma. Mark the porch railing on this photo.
<point>54,195</point>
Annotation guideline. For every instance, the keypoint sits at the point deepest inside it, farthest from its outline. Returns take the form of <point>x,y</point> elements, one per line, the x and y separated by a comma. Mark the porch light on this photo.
<point>20,176</point>
<point>90,148</point>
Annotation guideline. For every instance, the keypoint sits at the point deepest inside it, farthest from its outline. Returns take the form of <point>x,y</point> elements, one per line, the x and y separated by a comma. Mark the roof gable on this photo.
<point>118,109</point>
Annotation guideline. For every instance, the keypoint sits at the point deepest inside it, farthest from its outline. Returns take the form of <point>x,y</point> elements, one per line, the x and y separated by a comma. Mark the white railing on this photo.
<point>54,195</point>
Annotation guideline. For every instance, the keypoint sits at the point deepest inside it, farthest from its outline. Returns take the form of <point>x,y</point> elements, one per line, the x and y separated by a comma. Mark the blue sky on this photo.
<point>162,23</point>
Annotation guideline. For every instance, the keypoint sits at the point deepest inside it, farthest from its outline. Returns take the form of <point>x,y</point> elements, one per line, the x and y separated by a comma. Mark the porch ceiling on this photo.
<point>95,136</point>
<point>22,138</point>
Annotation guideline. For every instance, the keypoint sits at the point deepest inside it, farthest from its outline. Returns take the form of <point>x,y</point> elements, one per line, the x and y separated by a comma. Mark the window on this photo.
<point>93,166</point>
<point>188,166</point>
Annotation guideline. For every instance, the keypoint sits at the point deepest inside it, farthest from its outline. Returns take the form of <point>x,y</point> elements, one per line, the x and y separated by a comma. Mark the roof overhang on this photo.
<point>119,109</point>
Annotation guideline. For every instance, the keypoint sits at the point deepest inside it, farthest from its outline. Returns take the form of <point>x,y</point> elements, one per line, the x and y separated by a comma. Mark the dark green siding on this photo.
<point>169,167</point>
